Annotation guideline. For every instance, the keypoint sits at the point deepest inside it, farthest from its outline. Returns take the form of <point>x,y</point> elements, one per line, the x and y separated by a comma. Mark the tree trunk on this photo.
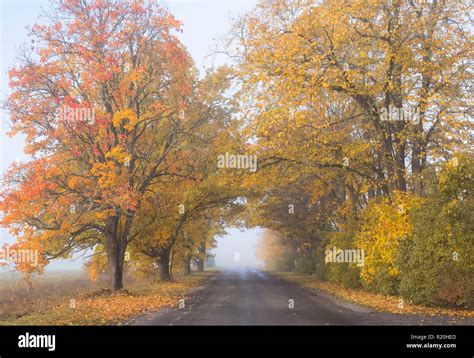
<point>401,168</point>
<point>171,264</point>
<point>417,158</point>
<point>202,254</point>
<point>187,266</point>
<point>116,260</point>
<point>416,172</point>
<point>200,265</point>
<point>164,264</point>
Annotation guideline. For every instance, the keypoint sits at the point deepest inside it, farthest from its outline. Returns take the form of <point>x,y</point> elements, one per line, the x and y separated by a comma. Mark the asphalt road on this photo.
<point>253,297</point>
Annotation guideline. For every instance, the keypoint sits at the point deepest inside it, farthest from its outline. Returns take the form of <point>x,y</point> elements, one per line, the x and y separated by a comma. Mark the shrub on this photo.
<point>346,274</point>
<point>436,266</point>
<point>383,226</point>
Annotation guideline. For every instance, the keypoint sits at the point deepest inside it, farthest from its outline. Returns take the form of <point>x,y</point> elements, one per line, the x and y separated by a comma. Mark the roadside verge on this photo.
<point>103,308</point>
<point>377,302</point>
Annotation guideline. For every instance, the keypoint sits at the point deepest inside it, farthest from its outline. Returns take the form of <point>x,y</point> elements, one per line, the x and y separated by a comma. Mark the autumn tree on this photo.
<point>351,107</point>
<point>87,178</point>
<point>275,254</point>
<point>370,58</point>
<point>197,185</point>
<point>197,234</point>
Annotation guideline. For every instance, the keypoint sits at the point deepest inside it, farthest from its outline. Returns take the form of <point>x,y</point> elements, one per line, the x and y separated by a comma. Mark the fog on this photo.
<point>237,249</point>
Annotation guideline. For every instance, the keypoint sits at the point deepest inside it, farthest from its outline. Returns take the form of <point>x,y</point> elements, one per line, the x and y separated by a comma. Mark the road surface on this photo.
<point>254,297</point>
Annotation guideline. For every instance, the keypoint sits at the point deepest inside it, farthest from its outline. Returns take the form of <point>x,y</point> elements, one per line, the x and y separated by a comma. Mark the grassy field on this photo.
<point>378,302</point>
<point>70,298</point>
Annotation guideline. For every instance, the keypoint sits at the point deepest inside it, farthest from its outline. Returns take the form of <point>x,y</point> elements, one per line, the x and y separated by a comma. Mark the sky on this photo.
<point>204,22</point>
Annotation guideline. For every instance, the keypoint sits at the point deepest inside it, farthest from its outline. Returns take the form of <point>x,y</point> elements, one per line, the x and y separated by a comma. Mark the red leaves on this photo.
<point>81,65</point>
<point>97,4</point>
<point>57,26</point>
<point>137,7</point>
<point>12,73</point>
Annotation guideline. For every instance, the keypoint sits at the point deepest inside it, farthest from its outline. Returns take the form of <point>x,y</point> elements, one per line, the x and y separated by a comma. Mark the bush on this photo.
<point>346,274</point>
<point>305,265</point>
<point>285,262</point>
<point>383,226</point>
<point>436,266</point>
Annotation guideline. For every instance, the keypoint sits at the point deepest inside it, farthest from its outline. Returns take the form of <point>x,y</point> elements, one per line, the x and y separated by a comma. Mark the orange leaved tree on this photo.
<point>101,96</point>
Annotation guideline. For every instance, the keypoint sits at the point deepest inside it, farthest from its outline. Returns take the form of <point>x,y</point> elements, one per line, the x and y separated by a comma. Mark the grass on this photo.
<point>50,301</point>
<point>378,302</point>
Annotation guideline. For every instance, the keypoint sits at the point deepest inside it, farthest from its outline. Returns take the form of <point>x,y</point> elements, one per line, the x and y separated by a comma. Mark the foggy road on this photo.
<point>253,297</point>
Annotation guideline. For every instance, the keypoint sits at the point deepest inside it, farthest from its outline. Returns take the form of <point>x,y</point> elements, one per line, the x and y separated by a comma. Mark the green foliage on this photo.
<point>285,263</point>
<point>383,282</point>
<point>346,274</point>
<point>436,266</point>
<point>305,265</point>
